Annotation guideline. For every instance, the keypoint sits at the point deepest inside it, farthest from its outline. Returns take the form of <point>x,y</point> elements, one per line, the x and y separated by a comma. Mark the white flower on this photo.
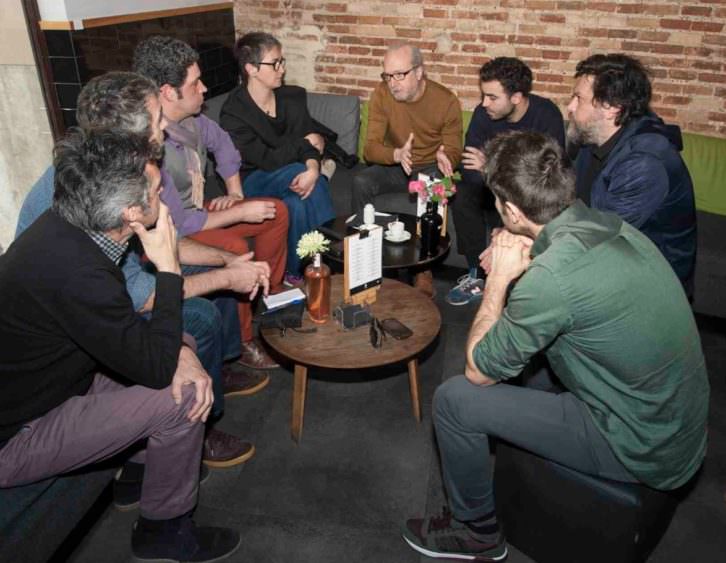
<point>312,243</point>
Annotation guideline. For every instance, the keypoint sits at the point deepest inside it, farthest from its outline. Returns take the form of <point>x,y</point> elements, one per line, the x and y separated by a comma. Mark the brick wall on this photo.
<point>338,46</point>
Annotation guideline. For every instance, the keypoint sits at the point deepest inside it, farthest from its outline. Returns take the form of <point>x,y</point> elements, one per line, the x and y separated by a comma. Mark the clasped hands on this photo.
<point>507,256</point>
<point>304,183</point>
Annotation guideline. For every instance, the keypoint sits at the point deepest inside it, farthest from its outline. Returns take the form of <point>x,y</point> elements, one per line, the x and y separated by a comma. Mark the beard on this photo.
<point>502,115</point>
<point>585,134</point>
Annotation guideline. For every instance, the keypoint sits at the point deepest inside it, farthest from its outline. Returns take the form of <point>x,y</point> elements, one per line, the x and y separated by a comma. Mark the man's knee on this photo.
<point>177,414</point>
<point>201,318</point>
<point>453,398</point>
<point>281,214</point>
<point>364,184</point>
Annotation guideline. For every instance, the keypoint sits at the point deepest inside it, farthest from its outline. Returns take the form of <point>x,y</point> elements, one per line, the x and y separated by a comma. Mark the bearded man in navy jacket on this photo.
<point>628,161</point>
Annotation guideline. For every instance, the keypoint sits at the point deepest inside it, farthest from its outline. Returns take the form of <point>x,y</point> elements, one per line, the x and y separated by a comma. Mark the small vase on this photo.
<point>317,289</point>
<point>431,223</point>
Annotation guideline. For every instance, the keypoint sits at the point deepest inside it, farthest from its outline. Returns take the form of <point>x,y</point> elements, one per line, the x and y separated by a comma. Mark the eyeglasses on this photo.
<point>376,333</point>
<point>397,76</point>
<point>276,65</point>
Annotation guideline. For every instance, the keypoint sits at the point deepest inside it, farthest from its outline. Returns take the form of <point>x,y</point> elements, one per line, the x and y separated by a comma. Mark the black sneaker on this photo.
<point>446,538</point>
<point>180,539</point>
<point>127,485</point>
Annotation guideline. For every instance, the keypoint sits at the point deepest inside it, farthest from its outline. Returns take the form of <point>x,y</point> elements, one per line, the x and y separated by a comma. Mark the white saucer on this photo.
<point>405,235</point>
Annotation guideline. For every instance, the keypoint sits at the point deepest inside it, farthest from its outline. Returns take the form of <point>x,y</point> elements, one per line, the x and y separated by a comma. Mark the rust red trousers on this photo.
<point>270,245</point>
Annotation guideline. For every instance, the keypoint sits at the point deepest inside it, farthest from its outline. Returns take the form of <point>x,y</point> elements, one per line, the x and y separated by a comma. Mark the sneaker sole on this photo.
<point>220,558</point>
<point>250,390</point>
<point>460,303</point>
<point>231,462</point>
<point>126,507</point>
<point>457,304</point>
<point>455,556</point>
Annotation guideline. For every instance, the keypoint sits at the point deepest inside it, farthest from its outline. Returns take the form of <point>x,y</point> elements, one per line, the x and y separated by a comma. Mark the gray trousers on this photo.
<point>105,421</point>
<point>556,427</point>
<point>381,179</point>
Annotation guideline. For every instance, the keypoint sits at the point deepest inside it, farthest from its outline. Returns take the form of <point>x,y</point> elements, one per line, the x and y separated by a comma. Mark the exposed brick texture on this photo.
<point>682,42</point>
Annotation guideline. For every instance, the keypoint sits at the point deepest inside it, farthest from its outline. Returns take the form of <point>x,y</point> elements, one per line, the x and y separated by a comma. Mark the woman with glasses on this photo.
<point>281,150</point>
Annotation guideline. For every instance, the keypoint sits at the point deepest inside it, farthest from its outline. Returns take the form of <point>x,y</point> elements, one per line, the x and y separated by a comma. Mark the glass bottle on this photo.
<point>431,223</point>
<point>317,289</point>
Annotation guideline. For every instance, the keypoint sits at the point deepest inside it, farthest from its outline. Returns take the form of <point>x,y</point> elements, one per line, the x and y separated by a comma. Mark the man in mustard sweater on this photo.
<point>414,125</point>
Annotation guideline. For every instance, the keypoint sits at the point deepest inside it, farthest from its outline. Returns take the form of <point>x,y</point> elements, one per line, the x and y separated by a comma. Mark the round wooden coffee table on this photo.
<point>331,347</point>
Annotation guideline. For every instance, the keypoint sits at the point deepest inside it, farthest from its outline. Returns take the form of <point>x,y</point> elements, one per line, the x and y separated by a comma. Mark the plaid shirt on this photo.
<point>114,250</point>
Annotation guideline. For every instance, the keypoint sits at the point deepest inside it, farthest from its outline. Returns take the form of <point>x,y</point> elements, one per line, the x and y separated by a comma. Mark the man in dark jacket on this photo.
<point>629,161</point>
<point>507,104</point>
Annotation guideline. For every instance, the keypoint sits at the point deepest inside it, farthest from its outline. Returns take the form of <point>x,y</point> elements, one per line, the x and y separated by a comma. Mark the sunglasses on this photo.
<point>376,333</point>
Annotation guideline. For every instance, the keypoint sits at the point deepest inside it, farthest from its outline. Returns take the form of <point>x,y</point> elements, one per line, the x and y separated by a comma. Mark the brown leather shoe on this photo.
<point>254,356</point>
<point>224,450</point>
<point>238,380</point>
<point>424,282</point>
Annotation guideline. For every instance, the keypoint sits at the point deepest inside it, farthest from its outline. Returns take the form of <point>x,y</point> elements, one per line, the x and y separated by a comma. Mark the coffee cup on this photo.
<point>396,228</point>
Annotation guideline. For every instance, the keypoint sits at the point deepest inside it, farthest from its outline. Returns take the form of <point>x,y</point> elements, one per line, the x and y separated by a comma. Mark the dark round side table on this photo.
<point>396,255</point>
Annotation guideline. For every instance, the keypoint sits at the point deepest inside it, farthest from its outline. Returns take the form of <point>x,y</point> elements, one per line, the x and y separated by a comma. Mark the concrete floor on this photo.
<point>364,466</point>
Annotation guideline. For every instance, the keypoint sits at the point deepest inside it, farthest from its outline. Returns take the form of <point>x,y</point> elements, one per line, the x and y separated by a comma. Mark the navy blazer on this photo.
<point>646,183</point>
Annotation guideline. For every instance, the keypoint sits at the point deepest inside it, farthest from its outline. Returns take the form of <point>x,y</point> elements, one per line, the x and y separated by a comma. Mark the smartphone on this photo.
<point>396,328</point>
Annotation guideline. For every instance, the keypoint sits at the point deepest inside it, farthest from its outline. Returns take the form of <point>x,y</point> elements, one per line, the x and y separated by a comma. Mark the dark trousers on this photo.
<point>214,324</point>
<point>105,421</point>
<point>554,426</point>
<point>378,179</point>
<point>474,218</point>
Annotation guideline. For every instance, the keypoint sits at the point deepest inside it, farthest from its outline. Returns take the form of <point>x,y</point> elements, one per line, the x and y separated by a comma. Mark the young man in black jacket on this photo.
<point>507,105</point>
<point>73,343</point>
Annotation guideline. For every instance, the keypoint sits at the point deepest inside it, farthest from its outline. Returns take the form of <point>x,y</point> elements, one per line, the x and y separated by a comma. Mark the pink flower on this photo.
<point>445,201</point>
<point>453,188</point>
<point>415,186</point>
<point>439,190</point>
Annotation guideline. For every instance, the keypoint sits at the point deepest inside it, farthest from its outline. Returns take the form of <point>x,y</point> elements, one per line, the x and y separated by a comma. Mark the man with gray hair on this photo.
<point>414,125</point>
<point>125,102</point>
<point>72,341</point>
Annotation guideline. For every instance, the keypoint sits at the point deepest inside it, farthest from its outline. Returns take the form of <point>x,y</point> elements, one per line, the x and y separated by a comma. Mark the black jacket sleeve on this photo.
<point>98,315</point>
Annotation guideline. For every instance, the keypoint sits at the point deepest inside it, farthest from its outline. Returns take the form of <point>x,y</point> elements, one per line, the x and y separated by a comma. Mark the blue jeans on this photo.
<point>217,322</point>
<point>554,426</point>
<point>305,215</point>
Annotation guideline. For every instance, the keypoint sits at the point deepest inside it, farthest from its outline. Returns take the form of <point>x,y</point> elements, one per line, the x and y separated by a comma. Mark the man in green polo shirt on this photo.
<point>598,298</point>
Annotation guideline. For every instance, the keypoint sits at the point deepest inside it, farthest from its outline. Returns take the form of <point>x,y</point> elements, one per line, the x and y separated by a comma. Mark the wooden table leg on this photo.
<point>298,401</point>
<point>413,384</point>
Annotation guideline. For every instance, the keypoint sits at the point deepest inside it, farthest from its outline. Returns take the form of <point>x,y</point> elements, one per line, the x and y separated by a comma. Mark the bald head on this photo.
<point>404,73</point>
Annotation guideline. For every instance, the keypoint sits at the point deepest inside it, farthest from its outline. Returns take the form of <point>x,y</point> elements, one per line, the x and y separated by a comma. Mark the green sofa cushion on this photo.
<point>706,161</point>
